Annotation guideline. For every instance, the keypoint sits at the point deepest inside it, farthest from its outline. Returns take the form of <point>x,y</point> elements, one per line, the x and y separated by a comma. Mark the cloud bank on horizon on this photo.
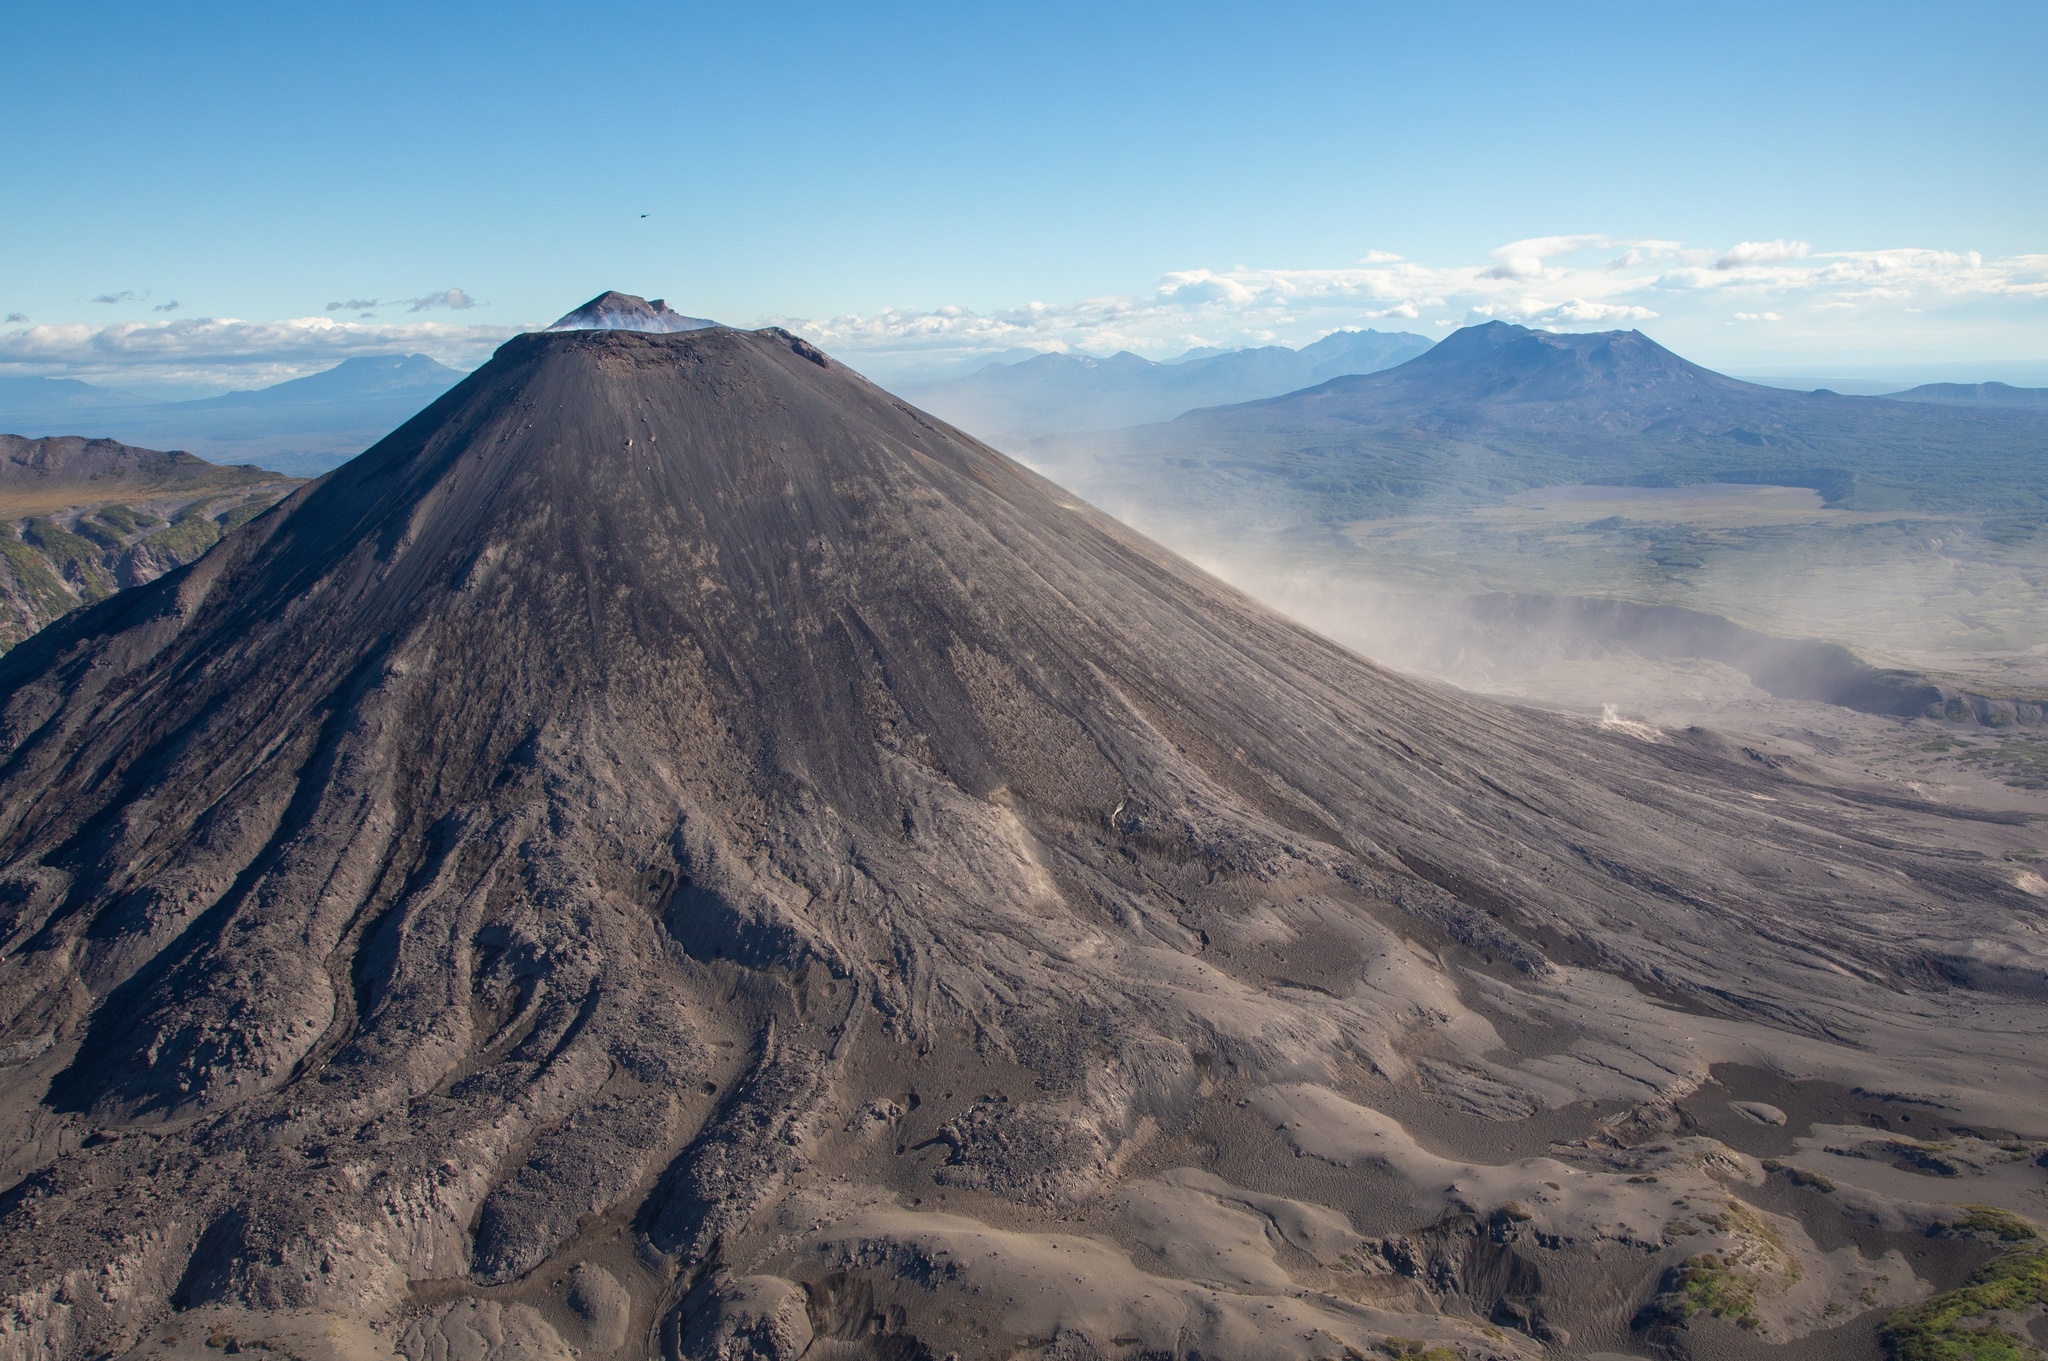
<point>1767,301</point>
<point>223,351</point>
<point>1586,282</point>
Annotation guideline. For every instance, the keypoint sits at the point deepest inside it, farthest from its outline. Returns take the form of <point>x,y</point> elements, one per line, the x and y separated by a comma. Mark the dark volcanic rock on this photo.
<point>674,809</point>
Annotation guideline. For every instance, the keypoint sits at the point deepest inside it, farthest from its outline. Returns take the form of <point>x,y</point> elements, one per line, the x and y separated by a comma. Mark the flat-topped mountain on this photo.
<point>1974,394</point>
<point>676,851</point>
<point>1499,363</point>
<point>1496,409</point>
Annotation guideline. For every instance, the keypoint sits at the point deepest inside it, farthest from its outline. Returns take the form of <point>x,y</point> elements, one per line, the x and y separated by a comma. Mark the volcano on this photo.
<point>1495,409</point>
<point>677,852</point>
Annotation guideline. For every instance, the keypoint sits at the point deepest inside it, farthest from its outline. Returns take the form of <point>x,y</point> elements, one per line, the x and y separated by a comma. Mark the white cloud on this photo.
<point>1579,312</point>
<point>451,297</point>
<point>214,350</point>
<point>1871,275</point>
<point>1744,253</point>
<point>1529,259</point>
<point>1824,300</point>
<point>1579,281</point>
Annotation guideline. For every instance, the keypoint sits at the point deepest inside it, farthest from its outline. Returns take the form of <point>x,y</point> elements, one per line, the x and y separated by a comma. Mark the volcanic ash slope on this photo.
<point>675,851</point>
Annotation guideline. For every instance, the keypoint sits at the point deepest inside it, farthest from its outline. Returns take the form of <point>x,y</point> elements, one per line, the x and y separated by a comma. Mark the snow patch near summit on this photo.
<point>612,311</point>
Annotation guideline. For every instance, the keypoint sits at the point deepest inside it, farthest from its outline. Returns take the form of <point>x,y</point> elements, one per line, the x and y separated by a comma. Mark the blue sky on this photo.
<point>1817,188</point>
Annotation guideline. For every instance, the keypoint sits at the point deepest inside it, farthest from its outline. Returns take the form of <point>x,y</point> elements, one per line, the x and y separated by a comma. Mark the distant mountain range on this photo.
<point>1065,393</point>
<point>1372,417</point>
<point>302,427</point>
<point>1497,409</point>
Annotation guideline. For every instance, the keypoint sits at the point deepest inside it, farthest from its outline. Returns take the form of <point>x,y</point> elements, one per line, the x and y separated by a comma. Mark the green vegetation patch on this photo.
<point>235,517</point>
<point>1965,1324</point>
<point>1987,1221</point>
<point>1408,1349</point>
<point>77,558</point>
<point>124,519</point>
<point>37,582</point>
<point>106,536</point>
<point>1707,1284</point>
<point>2021,760</point>
<point>1728,1284</point>
<point>191,533</point>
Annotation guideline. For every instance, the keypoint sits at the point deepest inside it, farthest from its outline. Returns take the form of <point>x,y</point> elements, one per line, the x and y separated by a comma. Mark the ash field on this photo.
<point>676,852</point>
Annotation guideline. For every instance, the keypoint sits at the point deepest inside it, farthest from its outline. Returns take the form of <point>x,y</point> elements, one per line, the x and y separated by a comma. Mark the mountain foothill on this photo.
<point>83,518</point>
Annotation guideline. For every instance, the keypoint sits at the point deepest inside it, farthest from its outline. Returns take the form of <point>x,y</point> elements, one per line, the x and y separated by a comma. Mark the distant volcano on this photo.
<point>677,852</point>
<point>1494,409</point>
<point>611,311</point>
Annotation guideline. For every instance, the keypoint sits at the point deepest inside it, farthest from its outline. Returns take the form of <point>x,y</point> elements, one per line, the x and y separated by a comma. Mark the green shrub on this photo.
<point>1987,1221</point>
<point>1706,1285</point>
<point>76,559</point>
<point>235,517</point>
<point>44,591</point>
<point>125,519</point>
<point>189,535</point>
<point>103,535</point>
<point>1408,1349</point>
<point>1959,1325</point>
